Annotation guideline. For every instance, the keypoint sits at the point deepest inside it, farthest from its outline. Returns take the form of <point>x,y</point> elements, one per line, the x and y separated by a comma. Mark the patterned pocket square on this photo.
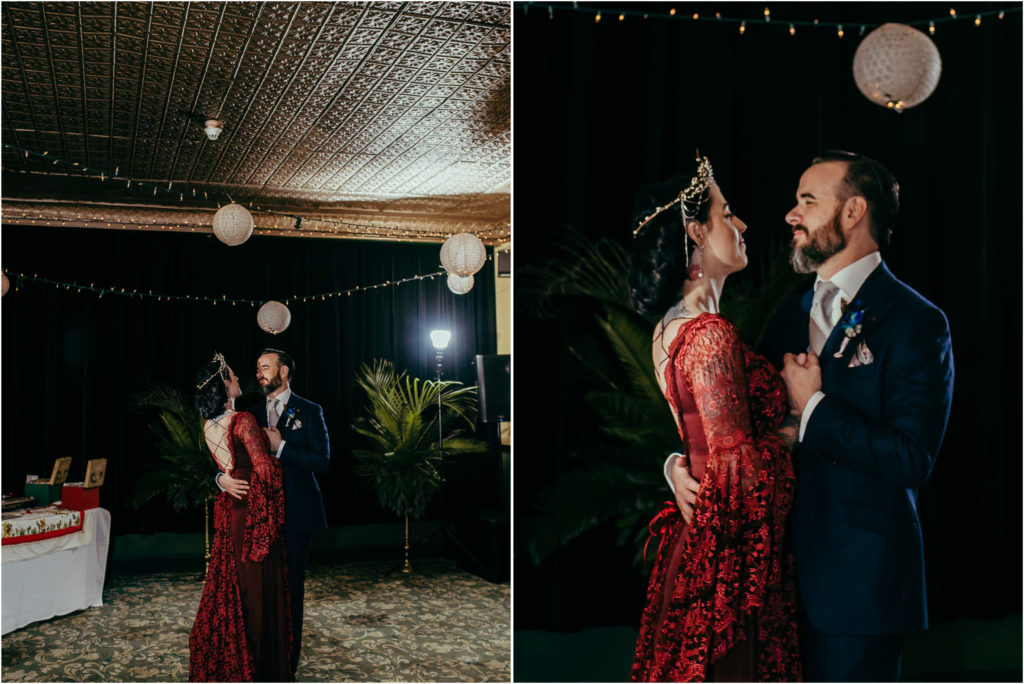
<point>296,425</point>
<point>862,356</point>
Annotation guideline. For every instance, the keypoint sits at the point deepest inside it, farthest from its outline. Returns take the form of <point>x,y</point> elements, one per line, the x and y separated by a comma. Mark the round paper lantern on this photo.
<point>273,317</point>
<point>897,66</point>
<point>232,224</point>
<point>460,284</point>
<point>463,254</point>
<point>4,284</point>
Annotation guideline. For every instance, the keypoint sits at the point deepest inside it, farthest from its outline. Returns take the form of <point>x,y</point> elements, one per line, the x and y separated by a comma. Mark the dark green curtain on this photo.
<point>70,360</point>
<point>604,109</point>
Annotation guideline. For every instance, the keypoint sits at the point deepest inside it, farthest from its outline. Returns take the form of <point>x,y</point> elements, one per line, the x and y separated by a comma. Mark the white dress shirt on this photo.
<point>281,400</point>
<point>849,281</point>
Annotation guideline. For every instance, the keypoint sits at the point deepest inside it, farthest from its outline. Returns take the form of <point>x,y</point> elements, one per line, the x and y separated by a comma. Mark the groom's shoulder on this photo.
<point>910,300</point>
<point>914,308</point>
<point>296,400</point>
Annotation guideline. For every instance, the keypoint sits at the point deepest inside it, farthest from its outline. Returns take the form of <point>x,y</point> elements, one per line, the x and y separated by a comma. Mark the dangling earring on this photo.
<point>697,263</point>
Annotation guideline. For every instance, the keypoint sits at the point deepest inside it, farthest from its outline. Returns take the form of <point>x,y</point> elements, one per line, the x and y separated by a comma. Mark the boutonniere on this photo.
<point>289,416</point>
<point>851,323</point>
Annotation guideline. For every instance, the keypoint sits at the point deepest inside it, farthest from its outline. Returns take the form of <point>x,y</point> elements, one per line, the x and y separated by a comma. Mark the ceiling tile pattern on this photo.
<point>322,103</point>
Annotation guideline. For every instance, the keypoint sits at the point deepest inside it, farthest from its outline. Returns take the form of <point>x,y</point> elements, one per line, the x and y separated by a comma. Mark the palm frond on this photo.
<point>401,437</point>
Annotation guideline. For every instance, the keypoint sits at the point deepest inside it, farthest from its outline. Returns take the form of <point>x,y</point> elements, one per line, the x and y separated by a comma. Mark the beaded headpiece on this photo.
<point>219,358</point>
<point>690,198</point>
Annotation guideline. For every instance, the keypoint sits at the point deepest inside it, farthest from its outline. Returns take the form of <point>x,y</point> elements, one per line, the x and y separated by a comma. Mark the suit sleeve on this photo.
<point>315,455</point>
<point>917,393</point>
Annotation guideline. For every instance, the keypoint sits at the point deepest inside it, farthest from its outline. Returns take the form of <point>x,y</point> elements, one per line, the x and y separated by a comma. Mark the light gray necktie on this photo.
<point>272,415</point>
<point>821,314</point>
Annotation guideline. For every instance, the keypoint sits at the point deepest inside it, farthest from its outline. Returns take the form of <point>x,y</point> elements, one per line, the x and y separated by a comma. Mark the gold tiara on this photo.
<point>219,358</point>
<point>690,198</point>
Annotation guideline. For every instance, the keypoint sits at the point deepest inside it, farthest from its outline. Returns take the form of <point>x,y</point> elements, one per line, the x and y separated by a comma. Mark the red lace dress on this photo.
<point>721,598</point>
<point>242,631</point>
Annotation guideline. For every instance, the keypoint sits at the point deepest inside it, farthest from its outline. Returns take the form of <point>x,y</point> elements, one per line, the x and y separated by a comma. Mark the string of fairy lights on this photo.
<point>18,281</point>
<point>766,20</point>
<point>297,224</point>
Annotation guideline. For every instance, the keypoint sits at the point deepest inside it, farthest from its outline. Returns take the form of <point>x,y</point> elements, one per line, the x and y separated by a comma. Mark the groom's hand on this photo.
<point>236,488</point>
<point>802,375</point>
<point>686,488</point>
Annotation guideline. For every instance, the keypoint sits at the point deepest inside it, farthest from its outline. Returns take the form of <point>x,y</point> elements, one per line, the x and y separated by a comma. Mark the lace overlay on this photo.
<point>242,631</point>
<point>724,579</point>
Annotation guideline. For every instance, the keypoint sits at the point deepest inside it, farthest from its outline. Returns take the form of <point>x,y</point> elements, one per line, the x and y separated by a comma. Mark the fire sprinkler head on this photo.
<point>213,128</point>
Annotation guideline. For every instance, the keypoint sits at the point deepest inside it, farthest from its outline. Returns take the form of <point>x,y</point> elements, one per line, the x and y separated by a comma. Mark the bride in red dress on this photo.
<point>721,601</point>
<point>242,631</point>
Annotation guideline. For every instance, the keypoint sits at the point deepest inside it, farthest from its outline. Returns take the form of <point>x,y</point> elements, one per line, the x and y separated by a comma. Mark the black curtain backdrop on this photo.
<point>70,360</point>
<point>604,109</point>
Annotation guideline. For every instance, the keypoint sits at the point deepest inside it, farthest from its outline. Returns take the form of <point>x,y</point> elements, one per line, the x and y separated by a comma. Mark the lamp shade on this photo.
<point>460,285</point>
<point>463,254</point>
<point>273,317</point>
<point>440,338</point>
<point>232,224</point>
<point>897,66</point>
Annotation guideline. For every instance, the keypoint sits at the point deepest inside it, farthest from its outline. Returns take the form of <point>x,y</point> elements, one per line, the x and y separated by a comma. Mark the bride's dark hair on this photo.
<point>657,264</point>
<point>212,397</point>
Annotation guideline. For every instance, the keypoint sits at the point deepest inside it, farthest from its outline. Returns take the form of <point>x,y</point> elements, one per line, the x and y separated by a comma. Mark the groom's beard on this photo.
<point>824,242</point>
<point>272,385</point>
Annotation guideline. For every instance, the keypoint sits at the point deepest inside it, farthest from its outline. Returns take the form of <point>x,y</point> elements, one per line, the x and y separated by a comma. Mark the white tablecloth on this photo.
<point>59,582</point>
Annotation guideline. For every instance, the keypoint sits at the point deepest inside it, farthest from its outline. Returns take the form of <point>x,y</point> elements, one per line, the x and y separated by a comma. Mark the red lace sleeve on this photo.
<point>714,370</point>
<point>265,514</point>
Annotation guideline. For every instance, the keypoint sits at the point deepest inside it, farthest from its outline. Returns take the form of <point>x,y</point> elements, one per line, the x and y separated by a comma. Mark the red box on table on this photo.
<point>76,497</point>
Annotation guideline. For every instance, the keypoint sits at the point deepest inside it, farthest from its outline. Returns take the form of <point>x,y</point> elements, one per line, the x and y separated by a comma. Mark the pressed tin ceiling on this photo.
<point>377,116</point>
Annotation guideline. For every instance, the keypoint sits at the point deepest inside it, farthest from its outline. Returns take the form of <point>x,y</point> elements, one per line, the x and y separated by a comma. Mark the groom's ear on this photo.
<point>854,209</point>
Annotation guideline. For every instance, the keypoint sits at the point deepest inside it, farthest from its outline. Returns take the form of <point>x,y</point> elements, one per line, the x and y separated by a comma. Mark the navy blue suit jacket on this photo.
<point>868,447</point>
<point>306,451</point>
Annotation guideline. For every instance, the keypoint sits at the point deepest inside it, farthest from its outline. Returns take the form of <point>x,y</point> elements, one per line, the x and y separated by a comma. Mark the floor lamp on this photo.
<point>440,339</point>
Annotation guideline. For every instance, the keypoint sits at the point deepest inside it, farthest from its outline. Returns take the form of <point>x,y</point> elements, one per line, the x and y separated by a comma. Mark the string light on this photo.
<point>840,31</point>
<point>20,278</point>
<point>597,18</point>
<point>325,227</point>
<point>622,17</point>
<point>766,16</point>
<point>977,20</point>
<point>931,27</point>
<point>792,31</point>
<point>743,27</point>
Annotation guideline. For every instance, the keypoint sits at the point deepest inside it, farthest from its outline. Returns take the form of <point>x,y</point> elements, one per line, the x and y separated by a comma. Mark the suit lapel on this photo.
<point>873,298</point>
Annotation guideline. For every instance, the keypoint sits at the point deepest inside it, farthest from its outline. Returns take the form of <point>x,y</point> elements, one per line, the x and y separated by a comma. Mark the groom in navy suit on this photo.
<point>298,438</point>
<point>868,368</point>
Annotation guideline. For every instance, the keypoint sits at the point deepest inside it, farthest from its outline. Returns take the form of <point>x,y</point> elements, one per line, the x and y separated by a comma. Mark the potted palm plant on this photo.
<point>184,476</point>
<point>403,440</point>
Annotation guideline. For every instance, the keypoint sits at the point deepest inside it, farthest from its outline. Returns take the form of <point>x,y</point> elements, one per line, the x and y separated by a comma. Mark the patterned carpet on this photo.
<point>439,624</point>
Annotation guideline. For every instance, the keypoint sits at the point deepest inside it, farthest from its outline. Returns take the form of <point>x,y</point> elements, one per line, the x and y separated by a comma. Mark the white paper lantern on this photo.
<point>460,284</point>
<point>897,66</point>
<point>4,284</point>
<point>463,254</point>
<point>232,224</point>
<point>273,317</point>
